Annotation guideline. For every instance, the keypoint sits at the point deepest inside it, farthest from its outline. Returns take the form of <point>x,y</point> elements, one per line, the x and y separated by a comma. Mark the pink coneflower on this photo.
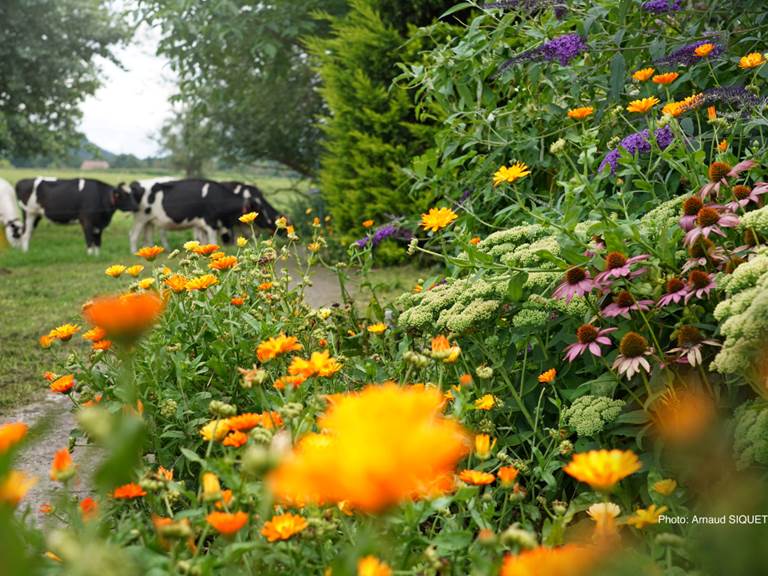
<point>689,344</point>
<point>577,283</point>
<point>624,303</point>
<point>617,265</point>
<point>588,338</point>
<point>744,195</point>
<point>691,208</point>
<point>709,220</point>
<point>595,246</point>
<point>676,290</point>
<point>718,174</point>
<point>700,284</point>
<point>633,349</point>
<point>703,252</point>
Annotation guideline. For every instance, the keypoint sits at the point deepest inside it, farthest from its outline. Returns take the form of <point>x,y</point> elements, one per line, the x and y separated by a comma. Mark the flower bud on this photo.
<point>514,535</point>
<point>484,372</point>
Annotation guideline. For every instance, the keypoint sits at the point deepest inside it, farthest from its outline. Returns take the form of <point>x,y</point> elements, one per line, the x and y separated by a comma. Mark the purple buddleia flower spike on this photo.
<point>687,54</point>
<point>562,49</point>
<point>637,143</point>
<point>661,6</point>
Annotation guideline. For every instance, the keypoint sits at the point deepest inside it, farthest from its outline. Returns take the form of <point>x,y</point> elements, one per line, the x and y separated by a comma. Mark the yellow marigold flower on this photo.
<point>177,283</point>
<point>11,434</point>
<point>227,523</point>
<point>223,263</point>
<point>64,332</point>
<point>673,109</point>
<point>667,78</point>
<point>124,316</point>
<point>242,242</point>
<point>281,222</point>
<point>115,271</point>
<point>646,516</point>
<point>282,527</point>
<point>216,430</point>
<point>368,223</point>
<point>602,469</point>
<point>277,345</point>
<point>568,560</point>
<point>643,105</point>
<point>510,174</point>
<point>63,384</point>
<point>507,475</point>
<point>201,282</point>
<point>604,515</point>
<point>483,446</point>
<point>191,245</point>
<point>723,145</point>
<point>146,283</point>
<point>149,253</point>
<point>665,487</point>
<point>62,467</point>
<point>476,477</point>
<point>437,219</point>
<point>383,445</point>
<point>377,328</point>
<point>704,50</point>
<point>248,218</point>
<point>14,487</point>
<point>372,566</point>
<point>217,255</point>
<point>581,113</point>
<point>211,487</point>
<point>134,270</point>
<point>485,402</point>
<point>314,247</point>
<point>751,60</point>
<point>643,74</point>
<point>548,377</point>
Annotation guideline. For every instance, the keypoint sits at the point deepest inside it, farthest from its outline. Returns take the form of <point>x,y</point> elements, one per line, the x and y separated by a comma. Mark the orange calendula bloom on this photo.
<point>95,334</point>
<point>378,328</point>
<point>45,341</point>
<point>646,516</point>
<point>642,105</point>
<point>50,376</point>
<point>244,422</point>
<point>510,174</point>
<point>277,345</point>
<point>437,219</point>
<point>223,263</point>
<point>465,379</point>
<point>319,364</point>
<point>602,469</point>
<point>89,508</point>
<point>149,253</point>
<point>204,249</point>
<point>124,316</point>
<point>711,113</point>
<point>62,467</point>
<point>217,255</point>
<point>372,566</point>
<point>249,217</point>
<point>264,286</point>
<point>134,270</point>
<point>128,491</point>
<point>568,560</point>
<point>64,332</point>
<point>476,477</point>
<point>667,78</point>
<point>581,113</point>
<point>177,283</point>
<point>665,487</point>
<point>293,381</point>
<point>227,523</point>
<point>475,240</point>
<point>442,349</point>
<point>102,345</point>
<point>14,487</point>
<point>63,384</point>
<point>271,420</point>
<point>11,434</point>
<point>643,74</point>
<point>485,402</point>
<point>507,475</point>
<point>201,282</point>
<point>548,377</point>
<point>368,223</point>
<point>483,446</point>
<point>722,146</point>
<point>751,60</point>
<point>704,50</point>
<point>282,527</point>
<point>237,301</point>
<point>235,439</point>
<point>115,271</point>
<point>370,438</point>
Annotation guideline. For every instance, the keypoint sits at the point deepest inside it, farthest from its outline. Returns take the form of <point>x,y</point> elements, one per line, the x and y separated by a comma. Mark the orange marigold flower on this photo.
<point>581,113</point>
<point>204,249</point>
<point>507,475</point>
<point>95,334</point>
<point>568,560</point>
<point>548,377</point>
<point>235,439</point>
<point>128,491</point>
<point>89,508</point>
<point>271,420</point>
<point>288,380</point>
<point>665,487</point>
<point>437,219</point>
<point>45,508</point>
<point>227,523</point>
<point>46,340</point>
<point>704,50</point>
<point>264,286</point>
<point>465,379</point>
<point>751,60</point>
<point>11,434</point>
<point>201,282</point>
<point>164,473</point>
<point>124,316</point>
<point>378,328</point>
<point>282,527</point>
<point>102,345</point>
<point>370,438</point>
<point>277,345</point>
<point>319,364</point>
<point>62,467</point>
<point>475,240</point>
<point>244,422</point>
<point>115,271</point>
<point>64,332</point>
<point>368,223</point>
<point>476,477</point>
<point>442,349</point>
<point>63,384</point>
<point>723,145</point>
<point>177,283</point>
<point>642,105</point>
<point>667,78</point>
<point>149,253</point>
<point>372,566</point>
<point>643,74</point>
<point>602,469</point>
<point>483,446</point>
<point>14,487</point>
<point>237,301</point>
<point>50,376</point>
<point>223,263</point>
<point>711,113</point>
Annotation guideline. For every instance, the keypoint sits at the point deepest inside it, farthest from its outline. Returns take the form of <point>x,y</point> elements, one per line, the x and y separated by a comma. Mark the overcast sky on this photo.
<point>130,107</point>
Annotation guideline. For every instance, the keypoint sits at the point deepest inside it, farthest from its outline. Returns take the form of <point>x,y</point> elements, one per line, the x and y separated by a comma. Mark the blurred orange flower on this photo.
<point>227,523</point>
<point>372,566</point>
<point>95,334</point>
<point>14,487</point>
<point>89,508</point>
<point>63,384</point>
<point>602,469</point>
<point>476,477</point>
<point>128,491</point>
<point>235,439</point>
<point>11,434</point>
<point>62,467</point>
<point>277,345</point>
<point>568,560</point>
<point>124,316</point>
<point>507,475</point>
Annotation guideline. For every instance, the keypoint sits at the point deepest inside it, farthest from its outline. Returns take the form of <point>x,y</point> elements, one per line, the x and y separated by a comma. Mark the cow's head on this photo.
<point>254,201</point>
<point>13,232</point>
<point>123,199</point>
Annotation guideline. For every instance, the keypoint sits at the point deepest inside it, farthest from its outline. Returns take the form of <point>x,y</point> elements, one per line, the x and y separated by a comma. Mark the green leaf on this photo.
<point>618,76</point>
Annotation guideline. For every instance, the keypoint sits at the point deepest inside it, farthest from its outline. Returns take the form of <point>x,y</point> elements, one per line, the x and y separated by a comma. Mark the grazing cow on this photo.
<point>9,214</point>
<point>143,226</point>
<point>206,206</point>
<point>267,214</point>
<point>91,202</point>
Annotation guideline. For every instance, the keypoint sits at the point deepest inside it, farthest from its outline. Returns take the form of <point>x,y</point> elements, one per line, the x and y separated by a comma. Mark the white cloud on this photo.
<point>129,108</point>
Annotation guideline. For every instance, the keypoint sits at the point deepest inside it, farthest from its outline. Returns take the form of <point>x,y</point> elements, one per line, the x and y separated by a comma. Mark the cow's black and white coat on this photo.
<point>91,202</point>
<point>10,217</point>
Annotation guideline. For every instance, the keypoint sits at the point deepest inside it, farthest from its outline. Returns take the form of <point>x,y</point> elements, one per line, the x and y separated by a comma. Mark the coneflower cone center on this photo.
<point>674,285</point>
<point>633,345</point>
<point>692,206</point>
<point>624,299</point>
<point>586,333</point>
<point>740,191</point>
<point>575,275</point>
<point>718,171</point>
<point>688,336</point>
<point>701,248</point>
<point>615,260</point>
<point>707,217</point>
<point>698,279</point>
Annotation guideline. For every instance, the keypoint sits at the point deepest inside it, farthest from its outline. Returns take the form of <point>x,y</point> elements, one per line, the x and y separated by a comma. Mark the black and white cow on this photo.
<point>10,217</point>
<point>143,225</point>
<point>267,214</point>
<point>91,202</point>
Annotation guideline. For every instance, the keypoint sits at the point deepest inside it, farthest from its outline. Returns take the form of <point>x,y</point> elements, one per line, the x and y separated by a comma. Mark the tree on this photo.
<point>47,68</point>
<point>188,139</point>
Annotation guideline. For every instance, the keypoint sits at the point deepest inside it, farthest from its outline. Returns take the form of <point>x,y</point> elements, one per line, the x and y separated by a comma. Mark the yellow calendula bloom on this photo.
<point>437,218</point>
<point>242,242</point>
<point>602,469</point>
<point>751,60</point>
<point>372,566</point>
<point>248,218</point>
<point>134,270</point>
<point>643,74</point>
<point>115,271</point>
<point>581,113</point>
<point>216,430</point>
<point>642,105</point>
<point>378,328</point>
<point>201,282</point>
<point>510,174</point>
<point>211,487</point>
<point>64,332</point>
<point>191,245</point>
<point>485,402</point>
<point>281,222</point>
<point>314,247</point>
<point>177,283</point>
<point>646,516</point>
<point>704,50</point>
<point>483,446</point>
<point>146,283</point>
<point>665,487</point>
